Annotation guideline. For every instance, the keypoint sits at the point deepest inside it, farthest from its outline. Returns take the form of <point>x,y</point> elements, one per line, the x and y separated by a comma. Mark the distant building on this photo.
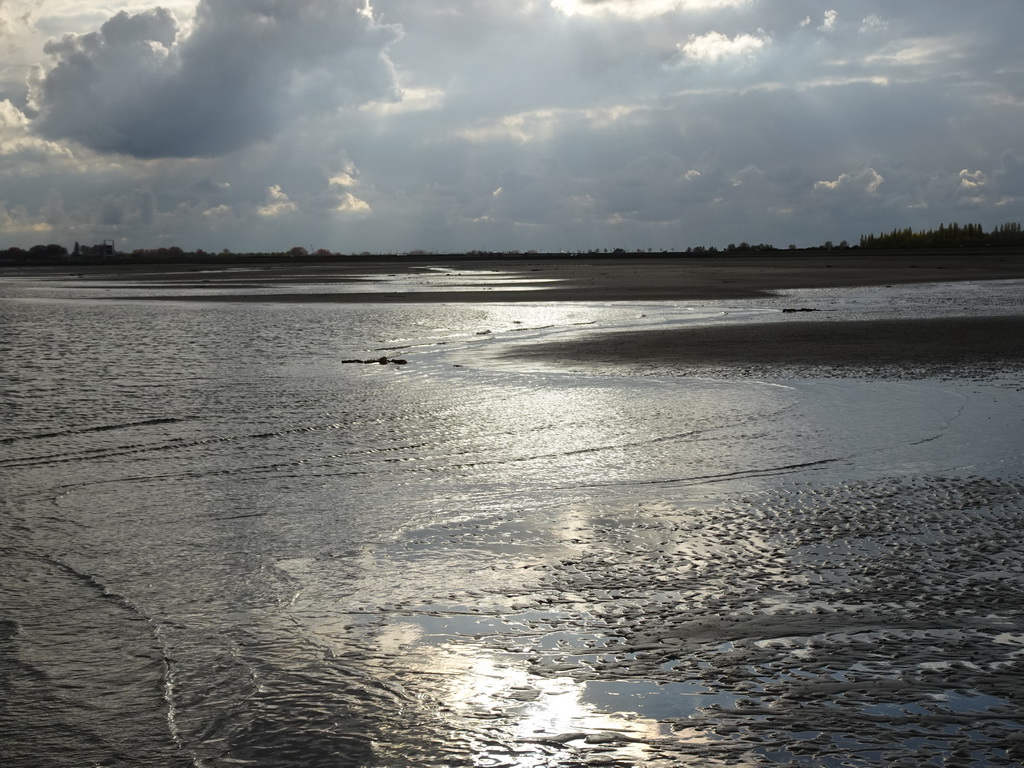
<point>106,248</point>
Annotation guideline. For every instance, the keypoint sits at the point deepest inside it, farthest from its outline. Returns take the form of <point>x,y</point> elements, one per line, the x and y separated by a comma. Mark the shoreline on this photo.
<point>805,343</point>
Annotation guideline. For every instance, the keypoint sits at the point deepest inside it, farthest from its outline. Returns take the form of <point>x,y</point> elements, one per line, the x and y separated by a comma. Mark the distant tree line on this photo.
<point>946,236</point>
<point>747,248</point>
<point>106,251</point>
<point>35,253</point>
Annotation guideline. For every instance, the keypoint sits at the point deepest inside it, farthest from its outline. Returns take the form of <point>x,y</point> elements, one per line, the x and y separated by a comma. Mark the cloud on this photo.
<point>339,195</point>
<point>751,176</point>
<point>244,71</point>
<point>7,21</point>
<point>529,194</point>
<point>864,182</point>
<point>137,208</point>
<point>259,124</point>
<point>346,177</point>
<point>1008,178</point>
<point>972,181</point>
<point>11,117</point>
<point>873,24</point>
<point>351,204</point>
<point>218,212</point>
<point>18,221</point>
<point>715,46</point>
<point>976,189</point>
<point>278,203</point>
<point>639,9</point>
<point>23,154</point>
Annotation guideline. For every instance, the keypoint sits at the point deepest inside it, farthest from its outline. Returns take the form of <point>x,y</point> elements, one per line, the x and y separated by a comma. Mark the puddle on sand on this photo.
<point>529,678</point>
<point>661,701</point>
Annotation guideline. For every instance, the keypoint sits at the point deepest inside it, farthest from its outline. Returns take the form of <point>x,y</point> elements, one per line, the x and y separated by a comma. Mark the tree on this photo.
<point>47,251</point>
<point>951,235</point>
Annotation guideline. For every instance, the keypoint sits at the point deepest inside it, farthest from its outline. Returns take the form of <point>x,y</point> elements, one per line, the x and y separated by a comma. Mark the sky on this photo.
<point>505,125</point>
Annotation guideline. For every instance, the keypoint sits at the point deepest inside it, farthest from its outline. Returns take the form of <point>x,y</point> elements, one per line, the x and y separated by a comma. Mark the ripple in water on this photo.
<point>222,547</point>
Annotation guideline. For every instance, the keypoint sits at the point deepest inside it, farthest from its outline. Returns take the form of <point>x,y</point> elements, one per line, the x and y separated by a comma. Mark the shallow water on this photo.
<point>221,545</point>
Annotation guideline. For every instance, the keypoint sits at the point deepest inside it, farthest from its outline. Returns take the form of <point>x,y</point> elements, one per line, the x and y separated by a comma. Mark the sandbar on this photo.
<point>978,345</point>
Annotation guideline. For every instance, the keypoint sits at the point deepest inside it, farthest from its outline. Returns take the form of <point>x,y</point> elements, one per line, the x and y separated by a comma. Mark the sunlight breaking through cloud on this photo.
<point>605,123</point>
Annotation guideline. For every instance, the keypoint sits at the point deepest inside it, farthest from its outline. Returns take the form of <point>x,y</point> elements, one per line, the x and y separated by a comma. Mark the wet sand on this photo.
<point>846,593</point>
<point>533,278</point>
<point>799,341</point>
<point>943,346</point>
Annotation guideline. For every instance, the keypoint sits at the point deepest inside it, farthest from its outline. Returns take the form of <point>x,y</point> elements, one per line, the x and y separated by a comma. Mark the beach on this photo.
<point>744,511</point>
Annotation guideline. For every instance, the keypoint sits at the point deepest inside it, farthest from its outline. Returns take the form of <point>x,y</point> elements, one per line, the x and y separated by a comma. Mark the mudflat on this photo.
<point>555,277</point>
<point>932,344</point>
<point>546,569</point>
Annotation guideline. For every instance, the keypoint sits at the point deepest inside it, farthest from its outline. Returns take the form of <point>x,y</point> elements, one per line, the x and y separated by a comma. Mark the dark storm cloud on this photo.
<point>246,69</point>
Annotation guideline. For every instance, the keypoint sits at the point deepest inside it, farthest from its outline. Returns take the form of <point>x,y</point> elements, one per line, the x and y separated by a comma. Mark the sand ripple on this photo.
<point>858,624</point>
<point>869,623</point>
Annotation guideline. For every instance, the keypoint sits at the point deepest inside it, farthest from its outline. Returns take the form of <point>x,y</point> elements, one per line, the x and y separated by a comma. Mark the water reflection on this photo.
<point>284,284</point>
<point>439,566</point>
<point>528,716</point>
